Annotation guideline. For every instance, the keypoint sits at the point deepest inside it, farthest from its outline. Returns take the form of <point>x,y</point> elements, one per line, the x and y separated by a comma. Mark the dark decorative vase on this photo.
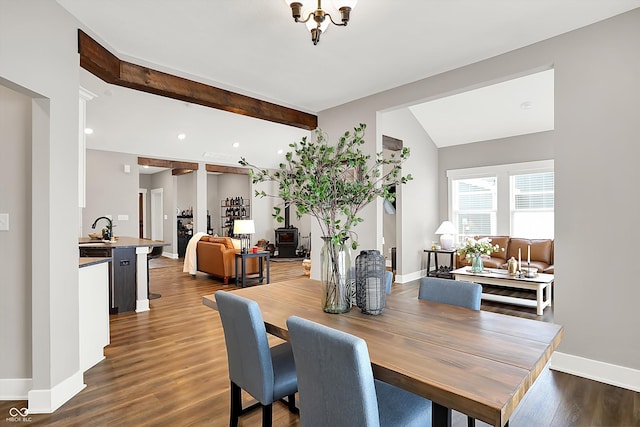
<point>371,295</point>
<point>335,263</point>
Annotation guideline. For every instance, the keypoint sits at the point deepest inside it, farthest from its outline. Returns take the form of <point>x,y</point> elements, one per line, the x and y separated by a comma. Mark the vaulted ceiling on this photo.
<point>255,48</point>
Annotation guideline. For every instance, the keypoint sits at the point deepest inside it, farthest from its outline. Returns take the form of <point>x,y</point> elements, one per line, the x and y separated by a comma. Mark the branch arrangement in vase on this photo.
<point>332,182</point>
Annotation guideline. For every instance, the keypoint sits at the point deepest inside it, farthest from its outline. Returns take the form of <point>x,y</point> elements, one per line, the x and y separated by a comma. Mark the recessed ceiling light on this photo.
<point>280,151</point>
<point>236,144</point>
<point>527,105</point>
<point>181,136</point>
<point>88,131</point>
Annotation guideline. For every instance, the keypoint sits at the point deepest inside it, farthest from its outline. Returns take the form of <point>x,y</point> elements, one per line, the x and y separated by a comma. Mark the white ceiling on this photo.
<point>255,48</point>
<point>514,107</point>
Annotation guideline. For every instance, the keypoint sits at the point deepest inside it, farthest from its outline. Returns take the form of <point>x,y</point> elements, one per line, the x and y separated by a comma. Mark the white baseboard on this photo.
<point>619,376</point>
<point>15,388</point>
<point>142,305</point>
<point>416,275</point>
<point>170,255</point>
<point>48,400</point>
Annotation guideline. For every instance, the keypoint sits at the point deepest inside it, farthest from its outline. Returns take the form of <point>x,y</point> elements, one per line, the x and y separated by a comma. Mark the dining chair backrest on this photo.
<point>388,280</point>
<point>452,292</point>
<point>335,379</point>
<point>248,354</point>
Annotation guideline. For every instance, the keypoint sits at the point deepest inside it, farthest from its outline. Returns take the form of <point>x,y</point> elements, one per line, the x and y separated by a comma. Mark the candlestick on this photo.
<point>519,260</point>
<point>528,255</point>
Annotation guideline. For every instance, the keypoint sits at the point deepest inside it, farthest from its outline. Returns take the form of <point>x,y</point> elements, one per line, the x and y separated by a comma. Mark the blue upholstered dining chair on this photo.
<point>336,385</point>
<point>267,374</point>
<point>452,292</point>
<point>388,280</point>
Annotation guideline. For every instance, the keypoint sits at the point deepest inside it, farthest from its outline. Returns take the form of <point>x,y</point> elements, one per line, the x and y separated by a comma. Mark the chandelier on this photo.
<point>316,20</point>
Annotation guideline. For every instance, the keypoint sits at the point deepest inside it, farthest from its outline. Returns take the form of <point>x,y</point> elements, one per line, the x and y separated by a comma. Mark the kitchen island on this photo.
<point>93,295</point>
<point>128,272</point>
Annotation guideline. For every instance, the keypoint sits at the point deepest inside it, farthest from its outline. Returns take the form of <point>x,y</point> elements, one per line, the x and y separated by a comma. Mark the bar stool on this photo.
<point>156,252</point>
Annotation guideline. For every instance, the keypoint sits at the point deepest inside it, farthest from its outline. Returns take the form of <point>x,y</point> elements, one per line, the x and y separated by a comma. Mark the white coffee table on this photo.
<point>499,277</point>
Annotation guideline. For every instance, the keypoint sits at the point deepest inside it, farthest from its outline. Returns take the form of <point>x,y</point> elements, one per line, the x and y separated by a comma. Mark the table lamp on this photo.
<point>244,228</point>
<point>446,231</point>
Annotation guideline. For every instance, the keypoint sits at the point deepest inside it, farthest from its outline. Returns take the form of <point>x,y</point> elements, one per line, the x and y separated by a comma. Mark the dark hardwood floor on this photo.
<point>168,367</point>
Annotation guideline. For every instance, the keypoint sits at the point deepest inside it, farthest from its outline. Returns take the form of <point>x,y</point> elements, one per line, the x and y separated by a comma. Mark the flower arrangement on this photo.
<point>475,248</point>
<point>332,182</point>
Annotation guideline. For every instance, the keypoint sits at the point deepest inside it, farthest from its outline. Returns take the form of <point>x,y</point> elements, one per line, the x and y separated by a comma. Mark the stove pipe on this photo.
<point>287,223</point>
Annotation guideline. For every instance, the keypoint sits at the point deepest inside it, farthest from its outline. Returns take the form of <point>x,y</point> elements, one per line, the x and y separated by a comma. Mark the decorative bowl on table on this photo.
<point>530,272</point>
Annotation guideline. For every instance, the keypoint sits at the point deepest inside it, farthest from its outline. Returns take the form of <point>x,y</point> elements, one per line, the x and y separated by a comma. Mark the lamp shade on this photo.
<point>244,226</point>
<point>446,227</point>
<point>447,230</point>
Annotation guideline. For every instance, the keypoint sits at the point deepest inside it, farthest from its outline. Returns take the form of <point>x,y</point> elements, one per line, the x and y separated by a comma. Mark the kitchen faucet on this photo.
<point>108,234</point>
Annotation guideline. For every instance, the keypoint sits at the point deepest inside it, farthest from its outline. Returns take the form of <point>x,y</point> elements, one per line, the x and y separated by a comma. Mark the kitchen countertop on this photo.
<point>122,242</point>
<point>85,262</point>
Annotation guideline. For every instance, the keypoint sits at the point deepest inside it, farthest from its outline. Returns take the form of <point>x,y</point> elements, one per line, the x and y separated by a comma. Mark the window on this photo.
<point>475,206</point>
<point>515,200</point>
<point>532,205</point>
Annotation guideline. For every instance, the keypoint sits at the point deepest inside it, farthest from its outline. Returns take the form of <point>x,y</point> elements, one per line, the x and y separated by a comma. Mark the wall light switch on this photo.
<point>166,217</point>
<point>123,217</point>
<point>4,222</point>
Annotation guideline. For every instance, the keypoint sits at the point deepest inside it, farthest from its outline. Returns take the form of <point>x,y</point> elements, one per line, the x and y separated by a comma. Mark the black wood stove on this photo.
<point>287,238</point>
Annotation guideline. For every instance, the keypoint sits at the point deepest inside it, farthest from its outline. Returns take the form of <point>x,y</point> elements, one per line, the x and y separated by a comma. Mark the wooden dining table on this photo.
<point>476,362</point>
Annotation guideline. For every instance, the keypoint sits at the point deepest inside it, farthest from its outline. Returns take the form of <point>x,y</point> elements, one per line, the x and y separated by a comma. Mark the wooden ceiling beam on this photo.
<point>227,169</point>
<point>177,168</point>
<point>159,163</point>
<point>103,64</point>
<point>390,143</point>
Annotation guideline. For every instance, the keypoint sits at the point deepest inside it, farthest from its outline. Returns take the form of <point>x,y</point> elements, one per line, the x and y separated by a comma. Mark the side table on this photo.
<point>263,256</point>
<point>443,271</point>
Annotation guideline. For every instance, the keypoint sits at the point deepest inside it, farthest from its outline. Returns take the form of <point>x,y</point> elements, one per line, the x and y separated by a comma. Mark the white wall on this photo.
<point>38,57</point>
<point>595,149</point>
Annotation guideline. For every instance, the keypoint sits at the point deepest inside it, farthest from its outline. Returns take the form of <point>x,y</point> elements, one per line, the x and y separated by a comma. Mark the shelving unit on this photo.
<point>184,233</point>
<point>230,210</point>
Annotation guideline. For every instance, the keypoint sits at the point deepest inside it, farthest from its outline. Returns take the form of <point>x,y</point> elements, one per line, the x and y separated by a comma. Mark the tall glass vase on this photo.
<point>335,264</point>
<point>477,265</point>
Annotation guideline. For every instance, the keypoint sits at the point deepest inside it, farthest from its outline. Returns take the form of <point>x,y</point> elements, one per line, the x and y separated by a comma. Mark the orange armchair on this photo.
<point>216,256</point>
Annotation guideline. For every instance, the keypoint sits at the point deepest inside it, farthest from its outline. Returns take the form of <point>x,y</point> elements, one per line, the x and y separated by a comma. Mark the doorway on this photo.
<point>390,147</point>
<point>142,213</point>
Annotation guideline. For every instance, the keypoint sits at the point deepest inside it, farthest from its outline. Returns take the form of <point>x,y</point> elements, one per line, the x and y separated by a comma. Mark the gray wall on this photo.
<point>111,192</point>
<point>15,255</point>
<point>186,192</point>
<point>416,216</point>
<point>213,202</point>
<point>594,146</point>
